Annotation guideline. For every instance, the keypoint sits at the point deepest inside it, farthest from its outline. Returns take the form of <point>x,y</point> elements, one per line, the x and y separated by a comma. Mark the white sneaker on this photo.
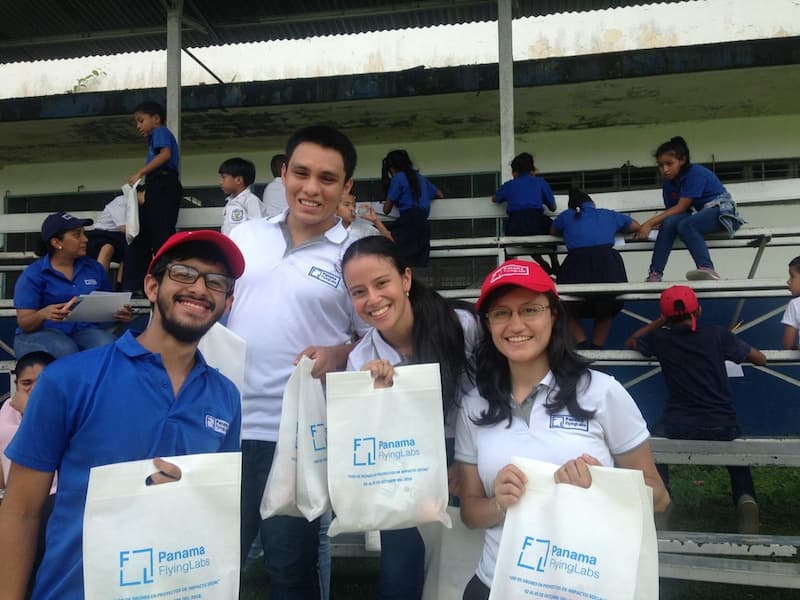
<point>372,541</point>
<point>702,274</point>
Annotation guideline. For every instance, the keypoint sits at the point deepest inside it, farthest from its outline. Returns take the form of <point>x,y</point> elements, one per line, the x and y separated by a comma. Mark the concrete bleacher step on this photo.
<point>728,544</point>
<point>729,570</point>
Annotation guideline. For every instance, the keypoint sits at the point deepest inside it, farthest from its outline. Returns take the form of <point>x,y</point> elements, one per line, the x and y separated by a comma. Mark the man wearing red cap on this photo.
<point>699,403</point>
<point>141,397</point>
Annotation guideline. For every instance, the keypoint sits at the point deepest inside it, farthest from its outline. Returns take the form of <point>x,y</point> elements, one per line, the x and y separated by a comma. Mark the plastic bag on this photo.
<point>387,467</point>
<point>131,211</point>
<point>177,540</point>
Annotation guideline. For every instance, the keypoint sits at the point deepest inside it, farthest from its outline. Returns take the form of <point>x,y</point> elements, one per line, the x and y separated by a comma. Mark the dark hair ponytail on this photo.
<point>577,198</point>
<point>401,161</point>
<point>678,147</point>
<point>569,369</point>
<point>437,335</point>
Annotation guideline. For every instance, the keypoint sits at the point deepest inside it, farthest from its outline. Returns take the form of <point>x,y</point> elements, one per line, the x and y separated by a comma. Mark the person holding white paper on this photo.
<point>139,398</point>
<point>48,288</point>
<point>536,398</point>
<point>412,324</point>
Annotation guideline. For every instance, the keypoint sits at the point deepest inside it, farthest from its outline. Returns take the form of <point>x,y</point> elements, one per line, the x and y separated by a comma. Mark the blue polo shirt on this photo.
<point>594,227</point>
<point>400,193</point>
<point>41,285</point>
<point>526,191</point>
<point>161,137</point>
<point>697,183</point>
<point>693,365</point>
<point>108,405</point>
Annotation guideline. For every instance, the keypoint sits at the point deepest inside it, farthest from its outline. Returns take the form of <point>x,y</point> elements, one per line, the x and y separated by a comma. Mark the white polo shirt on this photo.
<point>616,428</point>
<point>372,347</point>
<point>240,208</point>
<point>286,300</point>
<point>273,201</point>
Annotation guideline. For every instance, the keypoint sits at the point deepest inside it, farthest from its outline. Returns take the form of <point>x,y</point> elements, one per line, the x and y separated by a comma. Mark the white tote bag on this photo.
<point>174,540</point>
<point>225,351</point>
<point>131,211</point>
<point>297,485</point>
<point>570,543</point>
<point>387,467</point>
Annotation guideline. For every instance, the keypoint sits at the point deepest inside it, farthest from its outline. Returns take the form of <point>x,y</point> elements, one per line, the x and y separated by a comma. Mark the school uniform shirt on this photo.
<point>697,183</point>
<point>109,405</point>
<point>693,365</point>
<point>372,347</point>
<point>240,208</point>
<point>791,316</point>
<point>273,202</point>
<point>287,300</point>
<point>400,193</point>
<point>360,228</point>
<point>594,226</point>
<point>161,137</point>
<point>113,216</point>
<point>526,191</point>
<point>616,428</point>
<point>41,285</point>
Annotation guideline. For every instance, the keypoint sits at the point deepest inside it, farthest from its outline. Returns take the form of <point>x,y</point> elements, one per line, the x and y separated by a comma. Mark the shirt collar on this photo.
<point>547,384</point>
<point>336,234</point>
<point>130,347</point>
<point>385,350</point>
<point>245,192</point>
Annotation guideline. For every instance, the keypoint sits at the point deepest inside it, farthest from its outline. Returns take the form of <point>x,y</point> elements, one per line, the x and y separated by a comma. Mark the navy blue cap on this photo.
<point>61,221</point>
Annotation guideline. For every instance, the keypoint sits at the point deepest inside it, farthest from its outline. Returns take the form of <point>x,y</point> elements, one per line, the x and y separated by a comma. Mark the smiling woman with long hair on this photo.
<point>527,372</point>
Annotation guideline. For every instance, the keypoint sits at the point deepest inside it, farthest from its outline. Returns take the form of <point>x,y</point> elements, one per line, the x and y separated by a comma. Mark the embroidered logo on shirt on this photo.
<point>237,214</point>
<point>568,422</point>
<point>218,425</point>
<point>90,281</point>
<point>325,277</point>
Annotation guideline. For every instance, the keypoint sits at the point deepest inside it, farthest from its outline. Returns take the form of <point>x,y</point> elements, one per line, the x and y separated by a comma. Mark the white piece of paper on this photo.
<point>733,370</point>
<point>98,307</point>
<point>652,235</point>
<point>619,241</point>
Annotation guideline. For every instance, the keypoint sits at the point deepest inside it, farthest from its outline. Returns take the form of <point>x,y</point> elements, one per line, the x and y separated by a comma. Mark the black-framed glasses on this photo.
<point>529,312</point>
<point>216,282</point>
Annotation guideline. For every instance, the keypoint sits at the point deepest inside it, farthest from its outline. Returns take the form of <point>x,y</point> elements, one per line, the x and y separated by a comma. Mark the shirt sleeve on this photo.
<point>622,221</point>
<point>735,348</point>
<point>253,207</point>
<point>161,138</point>
<point>558,223</point>
<point>644,344</point>
<point>232,441</point>
<point>791,316</point>
<point>622,421</point>
<point>547,195</point>
<point>43,435</point>
<point>466,430</point>
<point>396,187</point>
<point>501,195</point>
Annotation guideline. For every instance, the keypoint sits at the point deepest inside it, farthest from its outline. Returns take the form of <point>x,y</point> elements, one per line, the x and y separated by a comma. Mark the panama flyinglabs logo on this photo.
<point>319,437</point>
<point>539,554</point>
<point>141,566</point>
<point>368,451</point>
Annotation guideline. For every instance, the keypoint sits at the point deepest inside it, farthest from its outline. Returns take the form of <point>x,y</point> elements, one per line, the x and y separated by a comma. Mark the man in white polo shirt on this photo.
<point>290,301</point>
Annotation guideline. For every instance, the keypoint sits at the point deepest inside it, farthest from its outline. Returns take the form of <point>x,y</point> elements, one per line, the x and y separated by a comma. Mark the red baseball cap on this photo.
<point>672,295</point>
<point>233,257</point>
<point>522,273</point>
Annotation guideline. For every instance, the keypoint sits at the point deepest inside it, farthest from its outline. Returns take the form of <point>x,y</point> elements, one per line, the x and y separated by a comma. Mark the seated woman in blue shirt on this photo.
<point>696,204</point>
<point>49,287</point>
<point>412,194</point>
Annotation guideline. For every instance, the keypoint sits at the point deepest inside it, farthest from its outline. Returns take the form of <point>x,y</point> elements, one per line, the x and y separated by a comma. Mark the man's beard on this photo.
<point>186,333</point>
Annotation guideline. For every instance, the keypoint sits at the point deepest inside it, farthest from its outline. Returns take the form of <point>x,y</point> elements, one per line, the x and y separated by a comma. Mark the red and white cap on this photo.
<point>233,257</point>
<point>521,273</point>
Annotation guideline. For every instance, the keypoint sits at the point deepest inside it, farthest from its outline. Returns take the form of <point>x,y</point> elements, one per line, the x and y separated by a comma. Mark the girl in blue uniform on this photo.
<point>696,204</point>
<point>591,258</point>
<point>412,194</point>
<point>412,324</point>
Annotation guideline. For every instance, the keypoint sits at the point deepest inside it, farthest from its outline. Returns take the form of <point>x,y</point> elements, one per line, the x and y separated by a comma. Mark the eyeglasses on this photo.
<point>216,282</point>
<point>529,312</point>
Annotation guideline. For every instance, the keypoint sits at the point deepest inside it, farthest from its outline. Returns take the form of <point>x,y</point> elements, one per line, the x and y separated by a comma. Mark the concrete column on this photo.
<point>174,20</point>
<point>506,88</point>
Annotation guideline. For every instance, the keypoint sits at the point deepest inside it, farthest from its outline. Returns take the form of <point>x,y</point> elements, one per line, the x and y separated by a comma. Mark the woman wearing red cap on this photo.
<point>48,289</point>
<point>527,373</point>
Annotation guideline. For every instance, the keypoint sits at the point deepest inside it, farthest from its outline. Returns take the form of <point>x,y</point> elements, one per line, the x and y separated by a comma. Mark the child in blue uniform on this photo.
<point>526,196</point>
<point>696,204</point>
<point>700,402</point>
<point>591,258</point>
<point>412,194</point>
<point>162,196</point>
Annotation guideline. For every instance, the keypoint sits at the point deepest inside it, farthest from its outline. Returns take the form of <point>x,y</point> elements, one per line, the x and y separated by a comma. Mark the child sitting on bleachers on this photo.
<point>699,403</point>
<point>696,204</point>
<point>591,258</point>
<point>791,316</point>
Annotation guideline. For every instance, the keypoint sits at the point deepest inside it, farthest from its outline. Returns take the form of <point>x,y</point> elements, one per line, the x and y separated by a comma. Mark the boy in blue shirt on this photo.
<point>141,397</point>
<point>700,402</point>
<point>163,192</point>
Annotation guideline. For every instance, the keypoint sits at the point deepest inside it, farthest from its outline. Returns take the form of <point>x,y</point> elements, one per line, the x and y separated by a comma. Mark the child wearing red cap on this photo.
<point>699,404</point>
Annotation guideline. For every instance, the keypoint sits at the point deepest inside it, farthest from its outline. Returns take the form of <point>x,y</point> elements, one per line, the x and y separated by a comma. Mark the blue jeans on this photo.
<point>324,556</point>
<point>59,343</point>
<point>402,568</point>
<point>690,227</point>
<point>291,544</point>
